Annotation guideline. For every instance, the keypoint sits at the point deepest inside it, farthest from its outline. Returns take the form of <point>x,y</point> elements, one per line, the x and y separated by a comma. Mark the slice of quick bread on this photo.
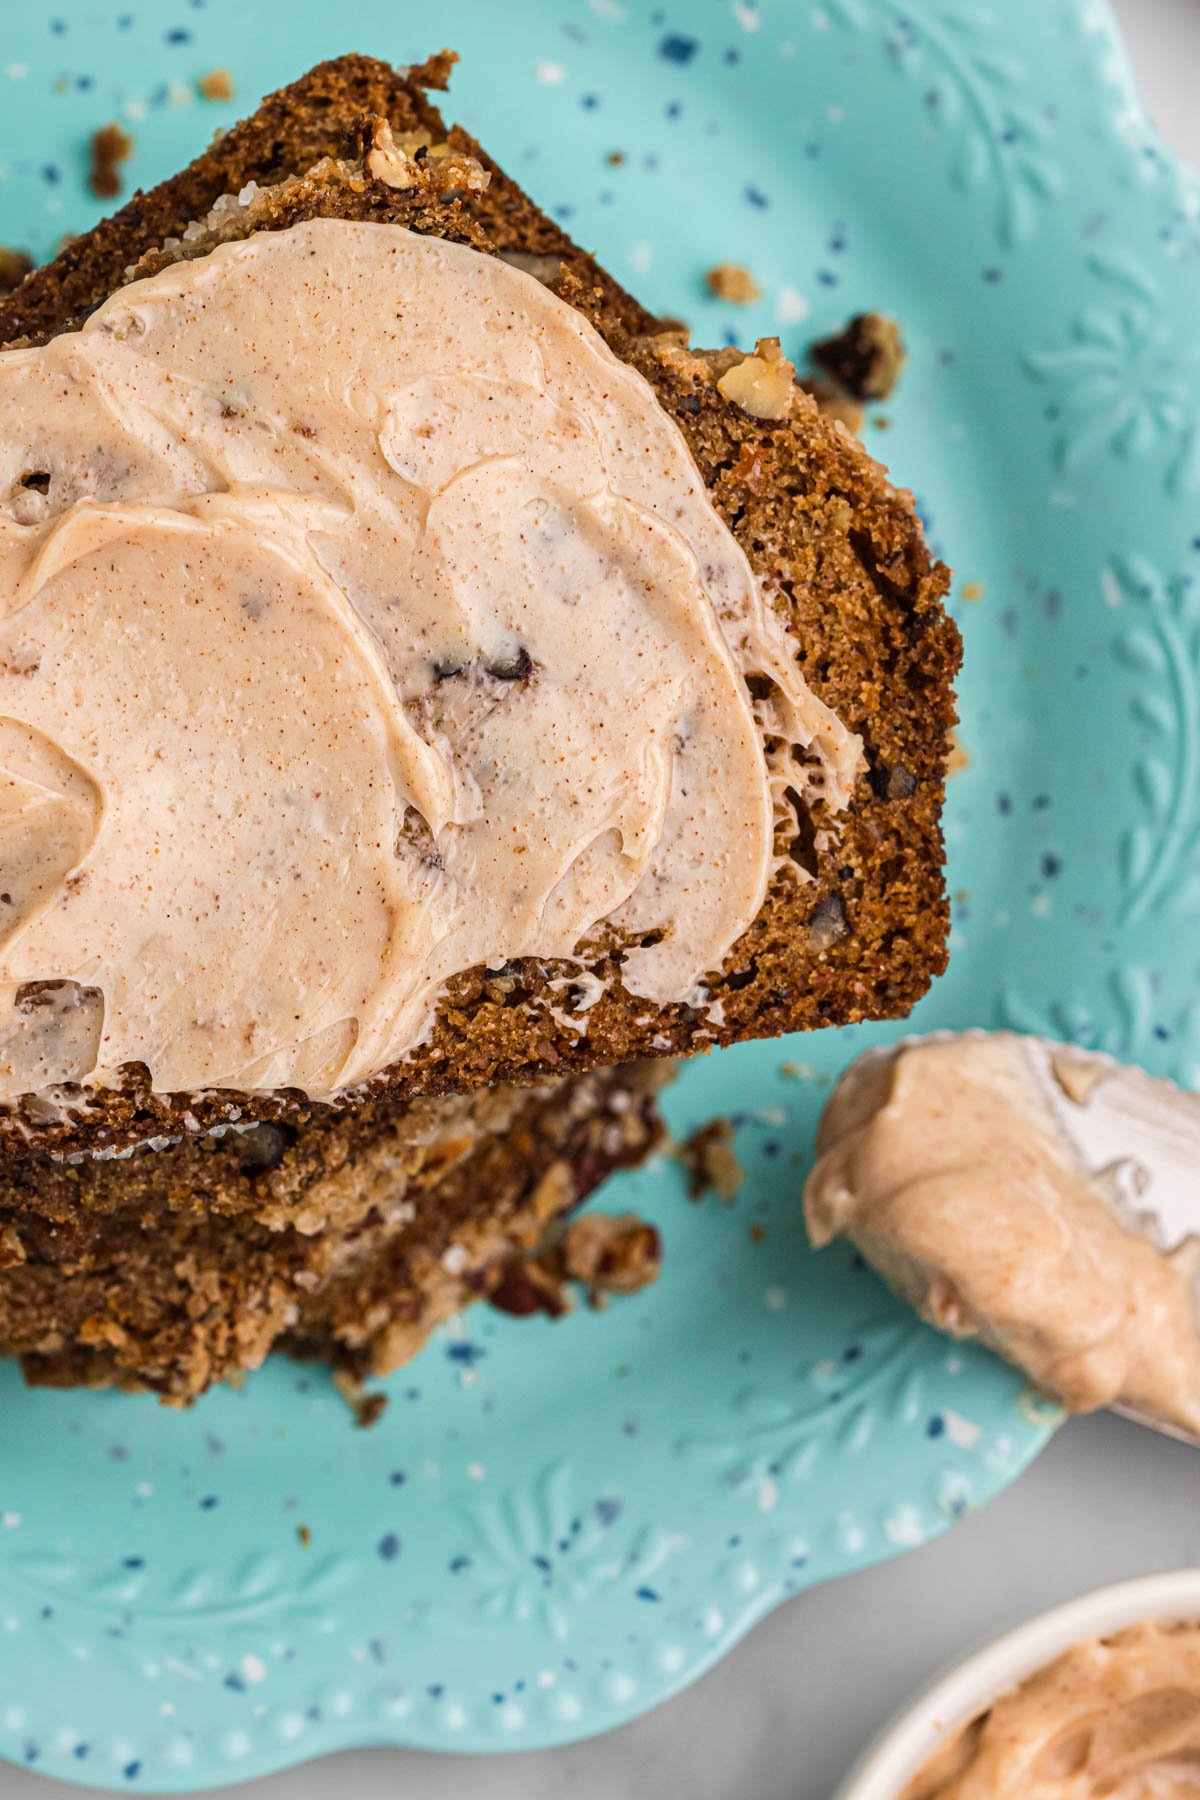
<point>840,601</point>
<point>182,1264</point>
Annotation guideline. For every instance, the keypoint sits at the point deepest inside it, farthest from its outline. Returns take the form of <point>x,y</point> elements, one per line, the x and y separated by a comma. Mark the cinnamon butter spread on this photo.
<point>365,619</point>
<point>1115,1718</point>
<point>1036,1197</point>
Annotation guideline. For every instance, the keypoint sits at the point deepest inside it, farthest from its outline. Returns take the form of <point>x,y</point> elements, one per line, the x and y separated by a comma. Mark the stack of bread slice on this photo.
<point>756,665</point>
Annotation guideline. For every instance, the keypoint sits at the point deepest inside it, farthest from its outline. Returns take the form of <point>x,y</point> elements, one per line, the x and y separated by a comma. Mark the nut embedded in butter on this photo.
<point>762,384</point>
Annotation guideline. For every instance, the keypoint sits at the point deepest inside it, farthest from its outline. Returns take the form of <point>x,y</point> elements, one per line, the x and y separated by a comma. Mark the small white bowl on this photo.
<point>971,1686</point>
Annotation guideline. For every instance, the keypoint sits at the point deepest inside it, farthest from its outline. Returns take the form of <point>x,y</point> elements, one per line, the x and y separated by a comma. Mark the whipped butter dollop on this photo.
<point>1040,1198</point>
<point>1114,1718</point>
<point>363,618</point>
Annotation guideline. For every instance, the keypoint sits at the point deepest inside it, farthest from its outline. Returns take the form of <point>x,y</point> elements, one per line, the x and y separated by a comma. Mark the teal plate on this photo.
<point>556,1525</point>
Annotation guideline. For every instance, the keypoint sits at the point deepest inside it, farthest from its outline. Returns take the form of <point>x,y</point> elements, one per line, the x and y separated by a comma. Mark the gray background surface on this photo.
<point>790,1709</point>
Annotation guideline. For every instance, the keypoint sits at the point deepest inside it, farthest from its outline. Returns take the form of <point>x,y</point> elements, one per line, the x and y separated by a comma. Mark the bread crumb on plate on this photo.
<point>865,357</point>
<point>730,281</point>
<point>216,85</point>
<point>112,145</point>
<point>710,1161</point>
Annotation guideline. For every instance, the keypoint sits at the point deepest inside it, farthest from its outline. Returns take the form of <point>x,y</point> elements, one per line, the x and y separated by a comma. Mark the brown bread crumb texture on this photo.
<point>350,1240</point>
<point>838,549</point>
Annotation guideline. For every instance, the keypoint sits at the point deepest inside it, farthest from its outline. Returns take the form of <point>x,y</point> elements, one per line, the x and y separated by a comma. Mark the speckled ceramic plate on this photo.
<point>556,1525</point>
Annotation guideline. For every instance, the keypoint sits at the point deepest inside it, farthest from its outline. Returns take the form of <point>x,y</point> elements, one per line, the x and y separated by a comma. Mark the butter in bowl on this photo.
<point>1097,1700</point>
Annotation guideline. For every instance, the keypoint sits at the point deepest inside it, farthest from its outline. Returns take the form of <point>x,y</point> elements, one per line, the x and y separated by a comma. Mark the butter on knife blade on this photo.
<point>1041,1198</point>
